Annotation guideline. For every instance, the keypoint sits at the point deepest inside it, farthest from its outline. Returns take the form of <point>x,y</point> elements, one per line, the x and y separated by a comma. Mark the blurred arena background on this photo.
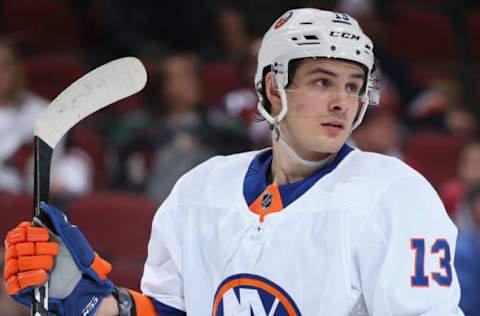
<point>114,169</point>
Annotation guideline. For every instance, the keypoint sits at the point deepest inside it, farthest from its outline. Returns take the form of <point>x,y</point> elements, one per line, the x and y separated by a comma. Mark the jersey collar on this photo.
<point>257,189</point>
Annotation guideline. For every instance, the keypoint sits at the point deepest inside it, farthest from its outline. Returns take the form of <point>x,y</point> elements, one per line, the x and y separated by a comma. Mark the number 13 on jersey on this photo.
<point>441,249</point>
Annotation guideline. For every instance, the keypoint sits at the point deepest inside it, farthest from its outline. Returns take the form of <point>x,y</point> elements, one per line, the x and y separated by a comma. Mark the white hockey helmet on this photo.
<point>314,33</point>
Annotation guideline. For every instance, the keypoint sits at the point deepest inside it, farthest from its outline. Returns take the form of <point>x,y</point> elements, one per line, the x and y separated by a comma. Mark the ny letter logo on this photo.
<point>248,304</point>
<point>252,295</point>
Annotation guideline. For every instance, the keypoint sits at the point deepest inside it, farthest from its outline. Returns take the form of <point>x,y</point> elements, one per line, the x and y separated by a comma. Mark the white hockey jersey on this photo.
<point>368,237</point>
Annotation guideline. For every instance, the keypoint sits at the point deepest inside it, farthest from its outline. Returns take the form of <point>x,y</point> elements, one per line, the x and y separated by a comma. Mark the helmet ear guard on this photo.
<point>372,93</point>
<point>283,96</point>
<point>373,84</point>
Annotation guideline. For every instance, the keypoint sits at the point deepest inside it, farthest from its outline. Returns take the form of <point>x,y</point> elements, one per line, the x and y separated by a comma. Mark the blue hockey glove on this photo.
<point>78,276</point>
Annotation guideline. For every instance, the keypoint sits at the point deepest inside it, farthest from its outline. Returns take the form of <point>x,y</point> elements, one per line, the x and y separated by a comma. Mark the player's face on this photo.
<point>323,99</point>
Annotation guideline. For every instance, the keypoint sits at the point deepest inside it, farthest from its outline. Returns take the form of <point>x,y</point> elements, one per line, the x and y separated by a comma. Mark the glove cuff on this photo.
<point>86,297</point>
<point>83,301</point>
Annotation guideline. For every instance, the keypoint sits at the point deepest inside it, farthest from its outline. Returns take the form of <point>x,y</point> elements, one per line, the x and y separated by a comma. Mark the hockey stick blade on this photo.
<point>102,86</point>
<point>99,88</point>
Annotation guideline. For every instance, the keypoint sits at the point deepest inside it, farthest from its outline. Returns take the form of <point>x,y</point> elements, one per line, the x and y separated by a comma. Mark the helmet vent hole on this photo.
<point>311,37</point>
<point>357,52</point>
<point>367,47</point>
<point>294,39</point>
<point>333,47</point>
<point>306,23</point>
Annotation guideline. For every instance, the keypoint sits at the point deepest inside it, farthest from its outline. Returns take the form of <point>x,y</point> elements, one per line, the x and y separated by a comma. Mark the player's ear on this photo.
<point>272,92</point>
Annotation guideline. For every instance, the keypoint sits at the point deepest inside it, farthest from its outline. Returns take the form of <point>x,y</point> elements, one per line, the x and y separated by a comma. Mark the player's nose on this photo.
<point>339,102</point>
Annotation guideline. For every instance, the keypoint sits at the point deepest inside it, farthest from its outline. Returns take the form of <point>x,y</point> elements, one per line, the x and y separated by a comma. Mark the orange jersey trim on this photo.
<point>268,202</point>
<point>143,305</point>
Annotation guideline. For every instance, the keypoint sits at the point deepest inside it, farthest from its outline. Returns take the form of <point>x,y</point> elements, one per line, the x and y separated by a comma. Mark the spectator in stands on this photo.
<point>467,258</point>
<point>439,107</point>
<point>468,174</point>
<point>233,33</point>
<point>238,108</point>
<point>460,122</point>
<point>169,116</point>
<point>19,110</point>
<point>182,122</point>
<point>171,133</point>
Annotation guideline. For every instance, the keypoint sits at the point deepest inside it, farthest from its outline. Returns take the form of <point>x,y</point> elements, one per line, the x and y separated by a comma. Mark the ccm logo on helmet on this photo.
<point>345,35</point>
<point>252,295</point>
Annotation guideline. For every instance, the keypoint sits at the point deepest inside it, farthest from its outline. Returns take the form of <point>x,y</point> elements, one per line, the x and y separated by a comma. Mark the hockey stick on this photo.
<point>100,87</point>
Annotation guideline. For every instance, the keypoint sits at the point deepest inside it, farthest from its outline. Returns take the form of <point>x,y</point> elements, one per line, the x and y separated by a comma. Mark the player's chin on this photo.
<point>329,144</point>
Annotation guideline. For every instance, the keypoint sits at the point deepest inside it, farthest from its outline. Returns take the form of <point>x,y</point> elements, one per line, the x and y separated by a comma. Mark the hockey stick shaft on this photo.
<point>41,184</point>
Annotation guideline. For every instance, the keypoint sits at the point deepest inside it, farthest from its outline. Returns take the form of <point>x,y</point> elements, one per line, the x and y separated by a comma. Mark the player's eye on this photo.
<point>322,82</point>
<point>352,88</point>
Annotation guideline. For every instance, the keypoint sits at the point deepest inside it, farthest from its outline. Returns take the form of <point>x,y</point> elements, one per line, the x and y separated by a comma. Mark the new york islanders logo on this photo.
<point>283,19</point>
<point>252,295</point>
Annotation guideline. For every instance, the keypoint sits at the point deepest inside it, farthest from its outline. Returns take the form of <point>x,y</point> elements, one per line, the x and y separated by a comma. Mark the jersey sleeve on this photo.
<point>405,253</point>
<point>162,276</point>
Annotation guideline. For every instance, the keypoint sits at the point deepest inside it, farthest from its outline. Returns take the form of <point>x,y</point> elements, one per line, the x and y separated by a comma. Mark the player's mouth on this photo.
<point>334,126</point>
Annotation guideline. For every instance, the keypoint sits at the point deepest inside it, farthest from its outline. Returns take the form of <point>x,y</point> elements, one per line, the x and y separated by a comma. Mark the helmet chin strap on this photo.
<point>278,136</point>
<point>293,155</point>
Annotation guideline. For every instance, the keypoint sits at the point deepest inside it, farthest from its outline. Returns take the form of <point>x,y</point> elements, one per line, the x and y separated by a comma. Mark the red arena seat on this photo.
<point>219,78</point>
<point>414,35</point>
<point>127,273</point>
<point>116,224</point>
<point>41,26</point>
<point>39,70</point>
<point>14,208</point>
<point>434,155</point>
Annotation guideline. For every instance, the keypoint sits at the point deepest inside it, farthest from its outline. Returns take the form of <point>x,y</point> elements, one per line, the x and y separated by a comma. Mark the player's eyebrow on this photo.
<point>317,70</point>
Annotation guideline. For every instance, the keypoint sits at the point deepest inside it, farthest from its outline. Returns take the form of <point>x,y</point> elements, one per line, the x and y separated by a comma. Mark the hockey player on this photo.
<point>308,227</point>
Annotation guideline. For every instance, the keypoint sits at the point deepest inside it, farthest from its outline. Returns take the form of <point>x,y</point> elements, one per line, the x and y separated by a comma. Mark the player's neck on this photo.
<point>286,170</point>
